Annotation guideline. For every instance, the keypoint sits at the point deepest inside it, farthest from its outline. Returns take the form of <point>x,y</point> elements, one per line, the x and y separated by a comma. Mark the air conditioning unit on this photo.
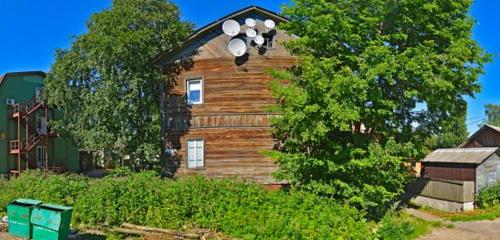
<point>10,102</point>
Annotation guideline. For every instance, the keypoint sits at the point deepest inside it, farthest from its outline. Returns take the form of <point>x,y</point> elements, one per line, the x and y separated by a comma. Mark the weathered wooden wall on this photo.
<point>486,138</point>
<point>233,120</point>
<point>455,191</point>
<point>488,172</point>
<point>449,171</point>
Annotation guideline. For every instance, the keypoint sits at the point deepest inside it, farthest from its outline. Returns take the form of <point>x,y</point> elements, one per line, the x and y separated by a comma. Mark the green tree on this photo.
<point>453,132</point>
<point>492,114</point>
<point>106,85</point>
<point>375,79</point>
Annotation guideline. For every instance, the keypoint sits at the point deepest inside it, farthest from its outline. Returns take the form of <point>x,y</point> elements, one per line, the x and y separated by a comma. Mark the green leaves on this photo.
<point>235,208</point>
<point>376,79</point>
<point>107,86</point>
<point>492,114</point>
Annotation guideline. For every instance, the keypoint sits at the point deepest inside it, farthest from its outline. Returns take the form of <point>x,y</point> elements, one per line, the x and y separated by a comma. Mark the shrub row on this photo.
<point>489,196</point>
<point>235,208</point>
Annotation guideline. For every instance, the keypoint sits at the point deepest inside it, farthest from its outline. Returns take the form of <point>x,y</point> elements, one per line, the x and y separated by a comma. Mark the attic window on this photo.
<point>269,40</point>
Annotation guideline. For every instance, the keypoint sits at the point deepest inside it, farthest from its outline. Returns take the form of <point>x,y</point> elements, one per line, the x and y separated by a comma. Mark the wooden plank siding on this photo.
<point>232,152</point>
<point>234,119</point>
<point>449,171</point>
<point>486,137</point>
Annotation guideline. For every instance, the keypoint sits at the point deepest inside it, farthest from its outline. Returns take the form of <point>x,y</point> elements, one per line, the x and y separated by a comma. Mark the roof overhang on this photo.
<point>482,129</point>
<point>216,24</point>
<point>11,74</point>
<point>461,155</point>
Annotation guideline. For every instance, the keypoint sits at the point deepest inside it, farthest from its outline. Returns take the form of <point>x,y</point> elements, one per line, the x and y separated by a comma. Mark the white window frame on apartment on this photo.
<point>40,160</point>
<point>188,90</point>
<point>195,153</point>
<point>38,93</point>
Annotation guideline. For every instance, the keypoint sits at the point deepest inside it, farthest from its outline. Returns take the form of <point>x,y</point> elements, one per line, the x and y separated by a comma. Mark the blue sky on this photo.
<point>31,30</point>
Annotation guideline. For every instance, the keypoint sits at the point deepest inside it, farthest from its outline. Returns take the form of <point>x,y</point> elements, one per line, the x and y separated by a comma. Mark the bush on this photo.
<point>59,189</point>
<point>235,208</point>
<point>489,196</point>
<point>396,226</point>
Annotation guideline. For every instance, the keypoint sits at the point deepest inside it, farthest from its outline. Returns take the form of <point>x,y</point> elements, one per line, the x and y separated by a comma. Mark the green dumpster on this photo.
<point>19,212</point>
<point>51,222</point>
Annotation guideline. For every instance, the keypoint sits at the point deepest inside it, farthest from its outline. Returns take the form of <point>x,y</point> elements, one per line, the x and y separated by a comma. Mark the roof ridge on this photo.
<point>202,30</point>
<point>496,128</point>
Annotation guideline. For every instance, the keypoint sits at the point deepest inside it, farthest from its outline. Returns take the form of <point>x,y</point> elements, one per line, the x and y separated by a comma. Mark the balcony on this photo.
<point>15,147</point>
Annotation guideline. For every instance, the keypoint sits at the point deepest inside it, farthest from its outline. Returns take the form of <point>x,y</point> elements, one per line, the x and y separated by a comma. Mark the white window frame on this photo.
<point>40,160</point>
<point>38,93</point>
<point>196,161</point>
<point>10,102</point>
<point>188,81</point>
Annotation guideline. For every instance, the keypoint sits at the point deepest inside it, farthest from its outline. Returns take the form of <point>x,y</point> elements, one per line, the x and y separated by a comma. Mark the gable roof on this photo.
<point>215,25</point>
<point>493,127</point>
<point>461,155</point>
<point>4,77</point>
<point>482,129</point>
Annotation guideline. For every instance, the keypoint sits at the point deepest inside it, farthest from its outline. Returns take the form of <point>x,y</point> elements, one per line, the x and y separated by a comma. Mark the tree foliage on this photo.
<point>492,114</point>
<point>453,132</point>
<point>375,79</point>
<point>107,86</point>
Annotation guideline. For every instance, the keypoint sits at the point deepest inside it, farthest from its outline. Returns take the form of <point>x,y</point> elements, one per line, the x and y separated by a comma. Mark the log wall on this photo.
<point>234,119</point>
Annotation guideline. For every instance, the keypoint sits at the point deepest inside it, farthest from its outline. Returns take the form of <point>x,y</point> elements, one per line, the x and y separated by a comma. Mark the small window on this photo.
<point>10,102</point>
<point>268,40</point>
<point>38,93</point>
<point>194,91</point>
<point>195,154</point>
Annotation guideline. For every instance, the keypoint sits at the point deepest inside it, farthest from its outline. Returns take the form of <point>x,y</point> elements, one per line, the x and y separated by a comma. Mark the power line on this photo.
<point>477,121</point>
<point>483,116</point>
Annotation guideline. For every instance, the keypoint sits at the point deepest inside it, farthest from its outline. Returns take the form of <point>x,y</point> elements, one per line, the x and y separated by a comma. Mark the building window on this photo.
<point>41,156</point>
<point>268,40</point>
<point>195,153</point>
<point>38,94</point>
<point>194,91</point>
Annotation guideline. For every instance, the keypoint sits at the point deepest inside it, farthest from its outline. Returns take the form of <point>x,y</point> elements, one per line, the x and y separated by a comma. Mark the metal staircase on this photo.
<point>29,134</point>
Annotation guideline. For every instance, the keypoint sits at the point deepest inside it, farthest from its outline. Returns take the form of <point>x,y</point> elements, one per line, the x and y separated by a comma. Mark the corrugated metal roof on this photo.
<point>460,155</point>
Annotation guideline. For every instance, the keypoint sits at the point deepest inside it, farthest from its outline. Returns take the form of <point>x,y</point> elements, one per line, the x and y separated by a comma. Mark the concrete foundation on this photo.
<point>443,205</point>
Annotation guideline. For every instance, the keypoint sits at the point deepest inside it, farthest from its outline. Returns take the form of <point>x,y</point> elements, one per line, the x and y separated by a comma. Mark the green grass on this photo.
<point>489,213</point>
<point>403,226</point>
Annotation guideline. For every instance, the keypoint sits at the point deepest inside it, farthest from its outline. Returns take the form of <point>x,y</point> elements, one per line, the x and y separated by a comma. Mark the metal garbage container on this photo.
<point>18,215</point>
<point>51,222</point>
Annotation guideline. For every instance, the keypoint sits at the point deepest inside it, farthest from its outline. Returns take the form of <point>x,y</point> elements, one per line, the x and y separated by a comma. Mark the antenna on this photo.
<point>259,40</point>
<point>237,47</point>
<point>231,27</point>
<point>251,33</point>
<point>250,22</point>
<point>270,24</point>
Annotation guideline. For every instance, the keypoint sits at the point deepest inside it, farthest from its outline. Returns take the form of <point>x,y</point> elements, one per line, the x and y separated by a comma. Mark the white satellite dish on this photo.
<point>270,24</point>
<point>237,47</point>
<point>251,33</point>
<point>250,22</point>
<point>259,40</point>
<point>231,27</point>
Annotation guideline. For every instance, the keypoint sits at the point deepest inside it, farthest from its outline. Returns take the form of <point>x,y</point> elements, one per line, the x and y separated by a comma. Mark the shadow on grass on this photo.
<point>92,237</point>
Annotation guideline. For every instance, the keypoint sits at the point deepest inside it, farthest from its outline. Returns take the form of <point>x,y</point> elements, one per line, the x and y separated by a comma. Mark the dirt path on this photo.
<point>474,230</point>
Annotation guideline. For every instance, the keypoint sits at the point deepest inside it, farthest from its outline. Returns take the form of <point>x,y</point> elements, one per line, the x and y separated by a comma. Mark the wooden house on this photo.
<point>215,109</point>
<point>450,178</point>
<point>486,136</point>
<point>479,165</point>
